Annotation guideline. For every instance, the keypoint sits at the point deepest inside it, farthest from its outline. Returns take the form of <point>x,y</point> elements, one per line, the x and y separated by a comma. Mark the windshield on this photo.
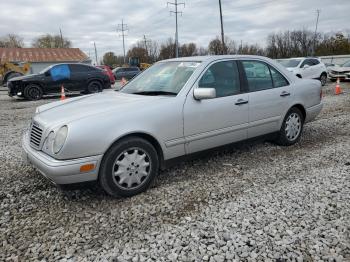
<point>162,78</point>
<point>346,64</point>
<point>290,62</point>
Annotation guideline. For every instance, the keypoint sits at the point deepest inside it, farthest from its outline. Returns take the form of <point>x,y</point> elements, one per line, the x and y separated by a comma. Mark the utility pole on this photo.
<point>176,4</point>
<point>144,39</point>
<point>222,31</point>
<point>318,15</point>
<point>95,54</point>
<point>61,38</point>
<point>122,28</point>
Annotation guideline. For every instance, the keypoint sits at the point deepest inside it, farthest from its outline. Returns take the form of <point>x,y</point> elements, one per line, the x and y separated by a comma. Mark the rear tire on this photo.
<point>94,87</point>
<point>291,128</point>
<point>33,92</point>
<point>129,167</point>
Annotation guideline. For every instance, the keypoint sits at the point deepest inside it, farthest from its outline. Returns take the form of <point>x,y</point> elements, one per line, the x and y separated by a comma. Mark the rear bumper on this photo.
<point>60,171</point>
<point>312,112</point>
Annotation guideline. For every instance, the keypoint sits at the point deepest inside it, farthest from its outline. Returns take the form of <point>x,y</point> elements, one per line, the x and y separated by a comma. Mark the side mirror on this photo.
<point>306,66</point>
<point>204,93</point>
<point>47,73</point>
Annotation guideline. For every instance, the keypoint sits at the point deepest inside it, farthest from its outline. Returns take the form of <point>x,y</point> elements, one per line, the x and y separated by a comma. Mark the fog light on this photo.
<point>19,93</point>
<point>87,167</point>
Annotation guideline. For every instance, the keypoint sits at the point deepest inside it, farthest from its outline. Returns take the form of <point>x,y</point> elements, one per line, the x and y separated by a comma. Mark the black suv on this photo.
<point>73,77</point>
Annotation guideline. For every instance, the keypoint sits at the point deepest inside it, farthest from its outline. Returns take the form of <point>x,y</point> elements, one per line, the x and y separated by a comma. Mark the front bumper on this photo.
<point>60,171</point>
<point>341,76</point>
<point>312,112</point>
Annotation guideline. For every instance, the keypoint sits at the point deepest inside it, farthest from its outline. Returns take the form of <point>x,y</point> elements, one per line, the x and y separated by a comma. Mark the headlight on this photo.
<point>60,138</point>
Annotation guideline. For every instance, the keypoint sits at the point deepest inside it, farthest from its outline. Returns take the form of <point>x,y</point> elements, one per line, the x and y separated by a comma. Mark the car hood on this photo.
<point>63,112</point>
<point>25,77</point>
<point>291,69</point>
<point>339,68</point>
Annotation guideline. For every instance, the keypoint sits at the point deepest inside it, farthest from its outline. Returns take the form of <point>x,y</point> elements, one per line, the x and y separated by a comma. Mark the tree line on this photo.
<point>295,43</point>
<point>44,41</point>
<point>284,44</point>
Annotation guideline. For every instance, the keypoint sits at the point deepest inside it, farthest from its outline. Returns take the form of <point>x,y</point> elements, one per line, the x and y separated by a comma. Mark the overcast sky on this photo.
<point>86,21</point>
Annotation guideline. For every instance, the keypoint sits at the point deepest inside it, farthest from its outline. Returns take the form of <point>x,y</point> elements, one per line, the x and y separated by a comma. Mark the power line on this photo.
<point>176,4</point>
<point>122,28</point>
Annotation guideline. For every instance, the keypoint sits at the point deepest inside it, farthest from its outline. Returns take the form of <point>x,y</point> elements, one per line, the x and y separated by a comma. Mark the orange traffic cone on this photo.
<point>63,95</point>
<point>123,82</point>
<point>338,90</point>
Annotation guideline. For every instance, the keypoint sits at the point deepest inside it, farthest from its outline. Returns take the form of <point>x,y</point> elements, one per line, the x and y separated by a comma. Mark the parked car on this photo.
<point>74,77</point>
<point>202,103</point>
<point>108,70</point>
<point>306,67</point>
<point>126,72</point>
<point>342,72</point>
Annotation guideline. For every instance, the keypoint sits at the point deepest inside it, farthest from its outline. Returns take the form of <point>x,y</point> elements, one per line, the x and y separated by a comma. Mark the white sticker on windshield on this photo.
<point>189,64</point>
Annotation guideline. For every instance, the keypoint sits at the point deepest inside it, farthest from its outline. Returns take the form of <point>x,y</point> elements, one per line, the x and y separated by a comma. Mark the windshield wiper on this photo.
<point>155,93</point>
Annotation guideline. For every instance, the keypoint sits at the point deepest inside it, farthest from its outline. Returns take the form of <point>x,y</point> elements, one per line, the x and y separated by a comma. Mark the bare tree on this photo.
<point>51,41</point>
<point>215,46</point>
<point>11,41</point>
<point>188,49</point>
<point>167,49</point>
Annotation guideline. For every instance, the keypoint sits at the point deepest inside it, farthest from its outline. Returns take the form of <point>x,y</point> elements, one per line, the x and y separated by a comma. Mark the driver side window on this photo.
<point>224,77</point>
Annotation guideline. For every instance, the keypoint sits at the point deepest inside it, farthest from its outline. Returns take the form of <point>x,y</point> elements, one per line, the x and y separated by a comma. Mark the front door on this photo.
<point>59,76</point>
<point>222,120</point>
<point>269,97</point>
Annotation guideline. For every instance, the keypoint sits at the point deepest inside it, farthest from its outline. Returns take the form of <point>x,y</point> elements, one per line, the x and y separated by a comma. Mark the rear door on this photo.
<point>79,76</point>
<point>307,72</point>
<point>269,97</point>
<point>222,120</point>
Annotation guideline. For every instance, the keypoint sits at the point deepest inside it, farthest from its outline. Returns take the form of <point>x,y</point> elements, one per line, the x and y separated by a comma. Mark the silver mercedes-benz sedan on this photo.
<point>175,108</point>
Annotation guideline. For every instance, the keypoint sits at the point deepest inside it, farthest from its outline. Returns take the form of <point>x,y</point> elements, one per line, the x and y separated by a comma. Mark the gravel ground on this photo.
<point>254,202</point>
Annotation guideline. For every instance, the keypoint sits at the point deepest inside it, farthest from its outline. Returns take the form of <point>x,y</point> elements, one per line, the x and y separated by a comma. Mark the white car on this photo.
<point>341,72</point>
<point>306,67</point>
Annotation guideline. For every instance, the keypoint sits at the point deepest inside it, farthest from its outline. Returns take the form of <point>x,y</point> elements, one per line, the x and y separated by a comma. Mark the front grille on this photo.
<point>35,136</point>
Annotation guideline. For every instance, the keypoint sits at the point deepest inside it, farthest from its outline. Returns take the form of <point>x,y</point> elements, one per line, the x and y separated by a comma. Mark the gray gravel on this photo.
<point>254,202</point>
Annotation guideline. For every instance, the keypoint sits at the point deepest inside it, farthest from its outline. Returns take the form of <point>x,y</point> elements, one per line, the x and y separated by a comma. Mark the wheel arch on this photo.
<point>301,108</point>
<point>94,79</point>
<point>149,138</point>
<point>7,74</point>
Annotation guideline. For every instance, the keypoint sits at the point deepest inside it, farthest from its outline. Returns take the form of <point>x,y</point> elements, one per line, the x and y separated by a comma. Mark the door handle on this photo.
<point>284,93</point>
<point>241,102</point>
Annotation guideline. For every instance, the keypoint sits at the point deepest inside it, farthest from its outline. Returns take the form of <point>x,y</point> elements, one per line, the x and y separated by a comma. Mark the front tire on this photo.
<point>129,167</point>
<point>33,92</point>
<point>323,79</point>
<point>291,128</point>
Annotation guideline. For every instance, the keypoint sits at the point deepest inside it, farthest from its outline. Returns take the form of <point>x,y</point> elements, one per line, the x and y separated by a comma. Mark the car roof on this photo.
<point>211,58</point>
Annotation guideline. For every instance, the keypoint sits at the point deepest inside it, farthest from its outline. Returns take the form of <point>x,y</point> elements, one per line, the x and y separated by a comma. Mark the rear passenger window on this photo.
<point>278,79</point>
<point>258,75</point>
<point>224,77</point>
